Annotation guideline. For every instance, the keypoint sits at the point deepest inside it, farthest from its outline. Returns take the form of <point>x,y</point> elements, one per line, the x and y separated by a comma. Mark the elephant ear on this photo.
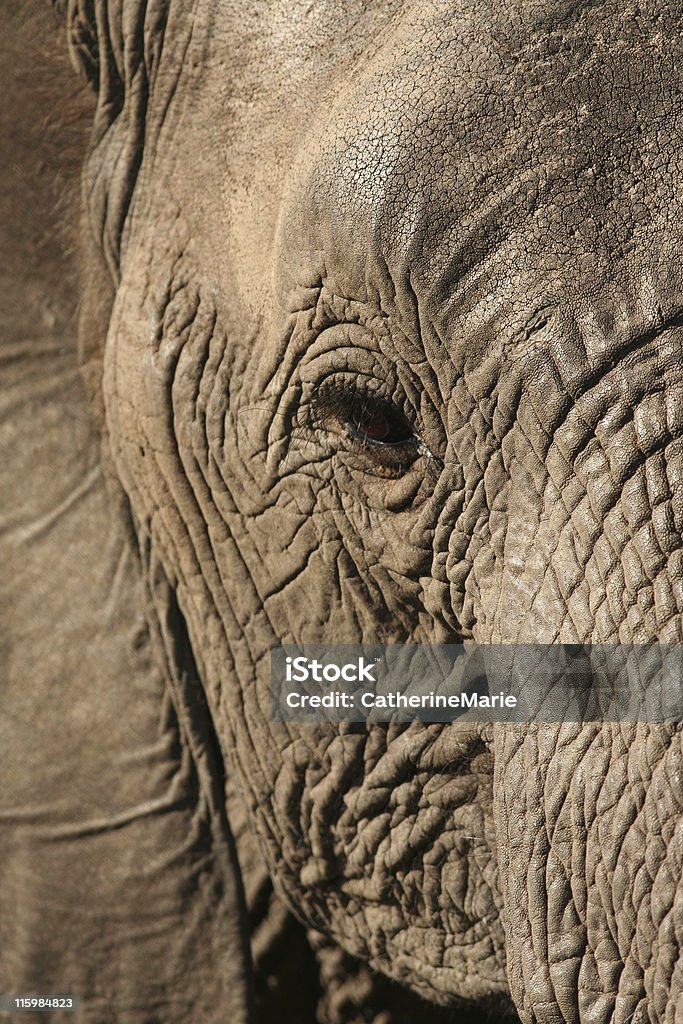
<point>82,36</point>
<point>118,875</point>
<point>115,44</point>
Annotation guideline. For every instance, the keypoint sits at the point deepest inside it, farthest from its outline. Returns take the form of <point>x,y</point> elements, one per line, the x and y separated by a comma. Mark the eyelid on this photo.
<point>340,396</point>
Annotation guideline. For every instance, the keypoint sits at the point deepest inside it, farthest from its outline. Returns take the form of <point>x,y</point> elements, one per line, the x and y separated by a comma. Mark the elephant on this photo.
<point>351,322</point>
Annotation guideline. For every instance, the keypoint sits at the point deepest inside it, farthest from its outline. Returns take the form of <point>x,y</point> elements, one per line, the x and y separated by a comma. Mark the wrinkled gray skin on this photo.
<point>471,212</point>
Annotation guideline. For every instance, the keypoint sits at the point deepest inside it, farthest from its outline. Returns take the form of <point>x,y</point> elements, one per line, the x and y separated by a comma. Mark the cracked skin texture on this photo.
<point>467,213</point>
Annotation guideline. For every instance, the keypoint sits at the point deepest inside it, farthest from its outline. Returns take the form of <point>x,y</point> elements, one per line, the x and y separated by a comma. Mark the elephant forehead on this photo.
<point>476,151</point>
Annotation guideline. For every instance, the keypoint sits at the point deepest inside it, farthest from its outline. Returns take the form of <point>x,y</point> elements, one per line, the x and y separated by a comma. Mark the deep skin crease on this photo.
<point>465,217</point>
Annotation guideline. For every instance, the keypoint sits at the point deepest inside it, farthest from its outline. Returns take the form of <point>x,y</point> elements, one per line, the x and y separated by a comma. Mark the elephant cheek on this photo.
<point>589,838</point>
<point>593,558</point>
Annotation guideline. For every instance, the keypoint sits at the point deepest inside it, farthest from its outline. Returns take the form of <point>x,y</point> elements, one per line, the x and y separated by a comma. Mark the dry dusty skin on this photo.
<point>335,321</point>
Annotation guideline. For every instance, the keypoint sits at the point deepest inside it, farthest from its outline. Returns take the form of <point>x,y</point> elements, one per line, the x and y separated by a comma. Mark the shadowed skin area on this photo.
<point>464,219</point>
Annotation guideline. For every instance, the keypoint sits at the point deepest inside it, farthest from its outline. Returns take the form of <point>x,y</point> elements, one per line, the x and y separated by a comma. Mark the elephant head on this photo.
<point>382,311</point>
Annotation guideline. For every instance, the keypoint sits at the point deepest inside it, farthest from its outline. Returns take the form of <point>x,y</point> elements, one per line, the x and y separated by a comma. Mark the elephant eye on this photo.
<point>372,426</point>
<point>374,422</point>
